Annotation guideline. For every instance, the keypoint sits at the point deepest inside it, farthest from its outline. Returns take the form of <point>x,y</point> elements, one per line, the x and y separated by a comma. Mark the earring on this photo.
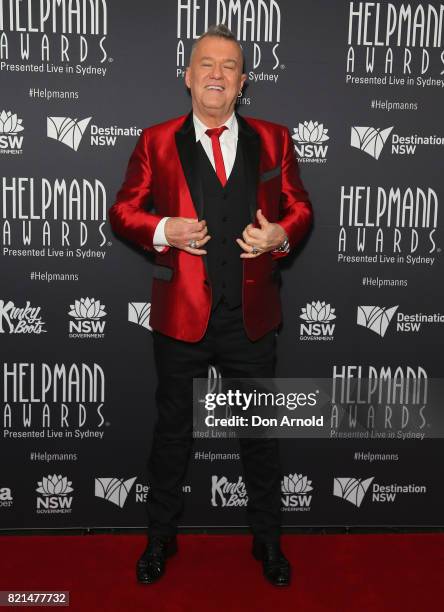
<point>239,95</point>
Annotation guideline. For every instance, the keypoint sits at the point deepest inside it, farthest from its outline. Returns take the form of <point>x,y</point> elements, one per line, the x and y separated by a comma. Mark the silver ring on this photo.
<point>255,250</point>
<point>193,244</point>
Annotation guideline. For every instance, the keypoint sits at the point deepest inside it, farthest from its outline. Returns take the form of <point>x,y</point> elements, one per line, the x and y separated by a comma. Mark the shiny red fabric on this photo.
<point>180,307</point>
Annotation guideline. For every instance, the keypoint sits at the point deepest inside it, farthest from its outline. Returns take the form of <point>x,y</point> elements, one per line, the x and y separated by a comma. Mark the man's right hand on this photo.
<point>179,231</point>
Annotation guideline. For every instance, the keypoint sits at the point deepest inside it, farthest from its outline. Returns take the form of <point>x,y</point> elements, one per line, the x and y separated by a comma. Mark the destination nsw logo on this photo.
<point>388,225</point>
<point>115,490</point>
<point>371,140</point>
<point>54,36</point>
<point>378,318</point>
<point>70,132</point>
<point>396,44</point>
<point>354,490</point>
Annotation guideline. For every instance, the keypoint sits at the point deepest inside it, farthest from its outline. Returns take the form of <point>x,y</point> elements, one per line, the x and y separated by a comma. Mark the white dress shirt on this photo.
<point>228,144</point>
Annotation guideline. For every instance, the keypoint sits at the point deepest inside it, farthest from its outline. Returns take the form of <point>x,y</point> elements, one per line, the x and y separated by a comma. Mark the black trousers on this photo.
<point>177,362</point>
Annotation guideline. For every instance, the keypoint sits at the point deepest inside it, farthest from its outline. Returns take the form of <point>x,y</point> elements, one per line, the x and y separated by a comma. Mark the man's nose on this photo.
<point>216,72</point>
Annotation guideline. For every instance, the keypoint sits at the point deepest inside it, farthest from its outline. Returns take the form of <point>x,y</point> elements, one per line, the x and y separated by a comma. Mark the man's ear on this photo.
<point>187,77</point>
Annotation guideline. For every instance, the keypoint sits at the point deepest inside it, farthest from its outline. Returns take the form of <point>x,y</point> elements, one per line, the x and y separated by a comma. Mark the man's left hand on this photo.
<point>261,240</point>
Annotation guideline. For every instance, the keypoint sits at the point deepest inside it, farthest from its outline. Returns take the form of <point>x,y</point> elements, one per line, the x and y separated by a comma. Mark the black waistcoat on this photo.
<point>227,213</point>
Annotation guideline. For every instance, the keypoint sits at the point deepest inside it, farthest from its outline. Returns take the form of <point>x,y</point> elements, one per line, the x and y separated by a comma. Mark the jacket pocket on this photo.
<point>162,272</point>
<point>269,174</point>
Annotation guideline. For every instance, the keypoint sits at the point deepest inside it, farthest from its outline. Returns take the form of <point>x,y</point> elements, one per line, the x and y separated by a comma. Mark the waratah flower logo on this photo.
<point>87,308</point>
<point>318,312</point>
<point>10,123</point>
<point>54,485</point>
<point>310,132</point>
<point>296,483</point>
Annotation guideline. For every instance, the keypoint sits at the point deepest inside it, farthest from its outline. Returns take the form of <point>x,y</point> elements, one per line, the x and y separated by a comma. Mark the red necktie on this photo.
<point>214,134</point>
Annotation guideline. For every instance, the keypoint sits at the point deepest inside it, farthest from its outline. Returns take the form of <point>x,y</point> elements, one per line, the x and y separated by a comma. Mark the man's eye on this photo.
<point>229,67</point>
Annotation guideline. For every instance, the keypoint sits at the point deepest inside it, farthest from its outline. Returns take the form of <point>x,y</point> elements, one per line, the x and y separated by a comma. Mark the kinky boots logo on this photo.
<point>54,36</point>
<point>53,217</point>
<point>397,44</point>
<point>228,494</point>
<point>388,225</point>
<point>25,320</point>
<point>52,400</point>
<point>255,23</point>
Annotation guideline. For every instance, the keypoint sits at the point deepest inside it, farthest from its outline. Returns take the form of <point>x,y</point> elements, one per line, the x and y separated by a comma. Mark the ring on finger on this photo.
<point>193,244</point>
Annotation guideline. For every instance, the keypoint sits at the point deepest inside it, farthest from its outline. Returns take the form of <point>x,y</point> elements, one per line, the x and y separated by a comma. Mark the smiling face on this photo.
<point>215,78</point>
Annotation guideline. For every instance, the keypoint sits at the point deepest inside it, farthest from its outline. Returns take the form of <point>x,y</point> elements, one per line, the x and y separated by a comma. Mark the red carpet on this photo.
<point>355,573</point>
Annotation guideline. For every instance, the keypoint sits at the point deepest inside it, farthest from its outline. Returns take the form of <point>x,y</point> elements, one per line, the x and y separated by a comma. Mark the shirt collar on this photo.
<point>200,127</point>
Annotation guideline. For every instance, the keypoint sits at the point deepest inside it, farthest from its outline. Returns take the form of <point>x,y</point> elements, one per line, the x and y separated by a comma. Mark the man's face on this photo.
<point>214,75</point>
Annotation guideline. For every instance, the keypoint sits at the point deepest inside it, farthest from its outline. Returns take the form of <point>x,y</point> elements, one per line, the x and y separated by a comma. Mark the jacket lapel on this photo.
<point>250,143</point>
<point>186,147</point>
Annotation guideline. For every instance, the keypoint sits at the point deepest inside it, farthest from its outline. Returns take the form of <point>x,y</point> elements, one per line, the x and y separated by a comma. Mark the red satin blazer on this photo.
<point>162,180</point>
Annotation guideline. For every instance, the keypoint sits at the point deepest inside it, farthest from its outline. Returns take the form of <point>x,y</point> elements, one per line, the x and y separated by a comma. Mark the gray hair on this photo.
<point>221,31</point>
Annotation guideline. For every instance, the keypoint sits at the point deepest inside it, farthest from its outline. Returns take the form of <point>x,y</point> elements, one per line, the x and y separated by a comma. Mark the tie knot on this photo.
<point>216,131</point>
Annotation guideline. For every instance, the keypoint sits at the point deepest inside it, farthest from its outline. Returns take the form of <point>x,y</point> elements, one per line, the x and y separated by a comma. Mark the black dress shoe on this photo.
<point>276,567</point>
<point>151,565</point>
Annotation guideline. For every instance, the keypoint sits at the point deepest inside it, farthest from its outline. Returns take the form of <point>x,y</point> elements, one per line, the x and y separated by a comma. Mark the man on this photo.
<point>229,202</point>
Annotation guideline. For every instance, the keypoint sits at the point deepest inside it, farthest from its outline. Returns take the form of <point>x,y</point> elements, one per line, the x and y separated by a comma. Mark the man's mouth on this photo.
<point>215,87</point>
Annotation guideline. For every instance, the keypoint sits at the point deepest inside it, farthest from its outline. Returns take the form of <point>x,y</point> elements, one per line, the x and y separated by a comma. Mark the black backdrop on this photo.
<point>78,377</point>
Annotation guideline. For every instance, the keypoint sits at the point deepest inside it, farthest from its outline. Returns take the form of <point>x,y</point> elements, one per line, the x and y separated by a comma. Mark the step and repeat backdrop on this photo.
<point>360,86</point>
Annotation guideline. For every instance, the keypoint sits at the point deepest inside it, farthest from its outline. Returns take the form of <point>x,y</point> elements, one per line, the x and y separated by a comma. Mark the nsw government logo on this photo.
<point>54,495</point>
<point>317,316</point>
<point>114,490</point>
<point>88,320</point>
<point>10,128</point>
<point>296,493</point>
<point>309,137</point>
<point>228,494</point>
